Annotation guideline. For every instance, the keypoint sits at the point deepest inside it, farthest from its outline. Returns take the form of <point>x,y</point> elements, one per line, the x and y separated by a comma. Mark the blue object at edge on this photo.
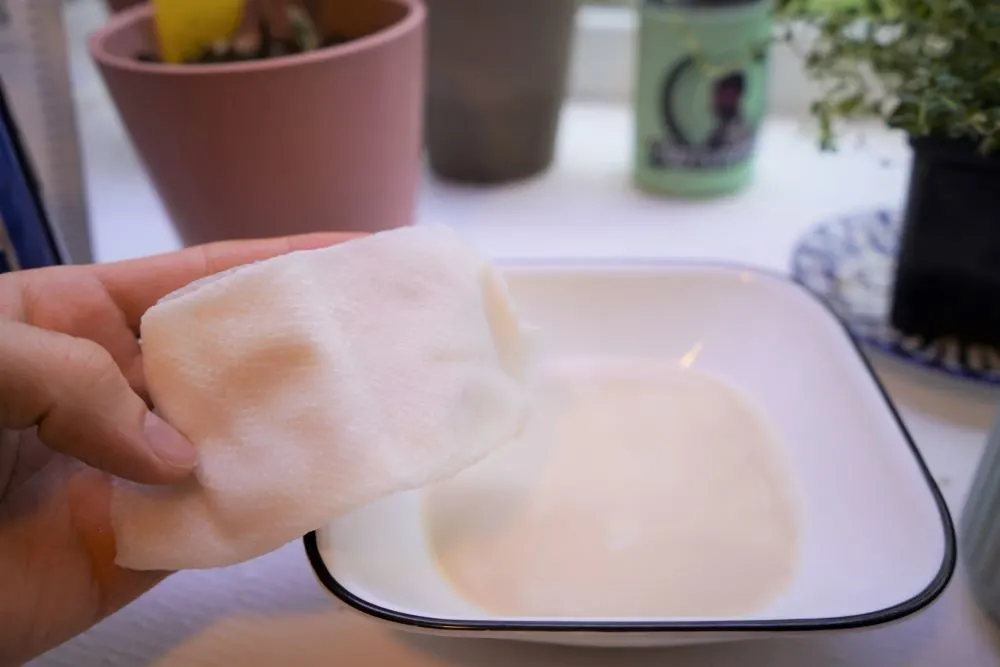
<point>26,239</point>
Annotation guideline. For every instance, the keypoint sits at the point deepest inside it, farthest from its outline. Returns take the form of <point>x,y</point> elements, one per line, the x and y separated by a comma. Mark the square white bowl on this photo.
<point>877,543</point>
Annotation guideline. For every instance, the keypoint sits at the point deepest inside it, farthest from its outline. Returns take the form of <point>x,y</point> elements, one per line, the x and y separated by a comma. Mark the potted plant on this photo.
<point>305,115</point>
<point>931,70</point>
<point>496,79</point>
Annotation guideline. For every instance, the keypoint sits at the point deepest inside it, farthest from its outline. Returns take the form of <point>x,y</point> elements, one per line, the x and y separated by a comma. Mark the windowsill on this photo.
<point>587,207</point>
<point>584,206</point>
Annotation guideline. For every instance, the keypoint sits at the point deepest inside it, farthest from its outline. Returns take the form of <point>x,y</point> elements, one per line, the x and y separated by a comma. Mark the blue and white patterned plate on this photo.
<point>849,263</point>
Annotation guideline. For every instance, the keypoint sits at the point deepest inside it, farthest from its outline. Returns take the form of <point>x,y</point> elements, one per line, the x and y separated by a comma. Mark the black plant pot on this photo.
<point>947,280</point>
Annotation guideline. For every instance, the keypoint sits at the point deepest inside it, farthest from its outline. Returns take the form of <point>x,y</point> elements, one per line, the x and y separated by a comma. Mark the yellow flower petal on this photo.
<point>185,28</point>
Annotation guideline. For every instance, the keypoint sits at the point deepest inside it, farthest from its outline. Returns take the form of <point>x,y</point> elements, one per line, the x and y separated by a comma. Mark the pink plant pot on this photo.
<point>328,140</point>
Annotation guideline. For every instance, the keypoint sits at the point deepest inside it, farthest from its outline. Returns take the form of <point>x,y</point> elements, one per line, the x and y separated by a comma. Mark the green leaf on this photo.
<point>935,63</point>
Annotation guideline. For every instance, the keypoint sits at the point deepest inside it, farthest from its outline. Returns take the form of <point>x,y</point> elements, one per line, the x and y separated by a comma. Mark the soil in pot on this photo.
<point>236,52</point>
<point>496,81</point>
<point>947,280</point>
<point>256,39</point>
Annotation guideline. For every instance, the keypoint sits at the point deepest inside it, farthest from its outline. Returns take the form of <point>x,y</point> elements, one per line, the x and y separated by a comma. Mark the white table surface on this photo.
<point>272,612</point>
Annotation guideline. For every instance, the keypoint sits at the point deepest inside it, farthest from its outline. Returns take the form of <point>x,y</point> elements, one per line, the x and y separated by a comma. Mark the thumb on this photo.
<point>72,389</point>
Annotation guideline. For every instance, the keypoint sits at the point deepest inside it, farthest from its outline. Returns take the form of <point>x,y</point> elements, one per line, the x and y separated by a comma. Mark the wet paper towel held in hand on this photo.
<point>319,381</point>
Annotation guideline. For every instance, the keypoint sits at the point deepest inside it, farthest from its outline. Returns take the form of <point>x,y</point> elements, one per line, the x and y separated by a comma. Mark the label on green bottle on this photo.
<point>700,94</point>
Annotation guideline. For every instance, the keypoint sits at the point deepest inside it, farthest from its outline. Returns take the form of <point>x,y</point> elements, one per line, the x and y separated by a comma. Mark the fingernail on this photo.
<point>168,444</point>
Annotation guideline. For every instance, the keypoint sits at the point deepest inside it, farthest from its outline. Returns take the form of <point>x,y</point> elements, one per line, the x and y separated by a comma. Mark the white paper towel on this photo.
<point>314,382</point>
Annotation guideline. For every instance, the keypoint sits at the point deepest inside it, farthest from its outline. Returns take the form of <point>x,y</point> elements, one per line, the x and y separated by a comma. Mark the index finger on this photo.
<point>136,285</point>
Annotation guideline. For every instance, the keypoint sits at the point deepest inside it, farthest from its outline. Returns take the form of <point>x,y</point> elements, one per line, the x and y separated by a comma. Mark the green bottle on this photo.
<point>700,94</point>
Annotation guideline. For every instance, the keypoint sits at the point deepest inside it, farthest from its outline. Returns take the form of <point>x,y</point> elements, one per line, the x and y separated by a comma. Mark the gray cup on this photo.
<point>496,82</point>
<point>979,533</point>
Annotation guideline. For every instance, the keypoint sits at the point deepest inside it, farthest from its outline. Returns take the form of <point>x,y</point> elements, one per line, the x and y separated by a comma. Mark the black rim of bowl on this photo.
<point>896,612</point>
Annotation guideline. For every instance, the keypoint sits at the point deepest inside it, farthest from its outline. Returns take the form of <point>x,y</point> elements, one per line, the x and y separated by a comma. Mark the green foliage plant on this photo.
<point>930,68</point>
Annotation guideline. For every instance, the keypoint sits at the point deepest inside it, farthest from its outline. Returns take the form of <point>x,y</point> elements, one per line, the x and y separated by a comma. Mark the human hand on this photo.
<point>73,412</point>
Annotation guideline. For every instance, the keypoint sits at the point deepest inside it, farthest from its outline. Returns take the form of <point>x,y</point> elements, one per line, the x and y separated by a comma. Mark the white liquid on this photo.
<point>638,491</point>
